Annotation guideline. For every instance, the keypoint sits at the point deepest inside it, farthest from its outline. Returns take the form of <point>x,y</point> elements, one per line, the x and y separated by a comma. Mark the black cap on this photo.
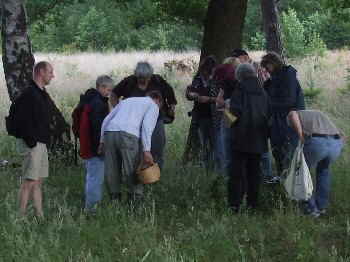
<point>238,52</point>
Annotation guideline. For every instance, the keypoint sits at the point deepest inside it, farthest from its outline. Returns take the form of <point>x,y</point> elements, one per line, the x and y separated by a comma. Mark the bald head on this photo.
<point>43,73</point>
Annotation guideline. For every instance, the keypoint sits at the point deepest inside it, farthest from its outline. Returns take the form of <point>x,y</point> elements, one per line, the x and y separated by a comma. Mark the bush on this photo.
<point>299,38</point>
<point>258,41</point>
<point>94,32</point>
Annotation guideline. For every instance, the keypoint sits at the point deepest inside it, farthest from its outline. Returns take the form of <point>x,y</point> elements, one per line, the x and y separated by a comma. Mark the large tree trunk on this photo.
<point>17,55</point>
<point>271,26</point>
<point>223,27</point>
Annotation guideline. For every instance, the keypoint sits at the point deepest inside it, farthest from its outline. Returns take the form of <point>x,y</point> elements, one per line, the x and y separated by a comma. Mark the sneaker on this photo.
<point>323,211</point>
<point>273,180</point>
<point>314,214</point>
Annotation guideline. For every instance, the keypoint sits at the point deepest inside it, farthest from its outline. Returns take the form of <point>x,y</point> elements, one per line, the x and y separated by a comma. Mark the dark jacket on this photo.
<point>98,110</point>
<point>285,91</point>
<point>202,110</point>
<point>250,103</point>
<point>34,115</point>
<point>128,88</point>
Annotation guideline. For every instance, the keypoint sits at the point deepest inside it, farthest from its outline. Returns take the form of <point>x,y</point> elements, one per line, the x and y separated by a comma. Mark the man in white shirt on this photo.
<point>125,132</point>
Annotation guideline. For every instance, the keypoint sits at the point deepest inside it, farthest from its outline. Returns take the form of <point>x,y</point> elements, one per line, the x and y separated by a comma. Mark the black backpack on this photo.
<point>12,120</point>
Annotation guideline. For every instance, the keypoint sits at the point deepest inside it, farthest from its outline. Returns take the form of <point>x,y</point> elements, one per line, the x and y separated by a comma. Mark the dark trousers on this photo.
<point>206,138</point>
<point>283,141</point>
<point>244,177</point>
<point>158,142</point>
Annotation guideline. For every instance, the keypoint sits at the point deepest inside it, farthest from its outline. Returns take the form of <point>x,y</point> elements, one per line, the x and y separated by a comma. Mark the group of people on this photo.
<point>242,112</point>
<point>268,106</point>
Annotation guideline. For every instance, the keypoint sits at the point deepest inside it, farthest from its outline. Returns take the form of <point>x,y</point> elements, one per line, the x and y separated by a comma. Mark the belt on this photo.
<point>326,136</point>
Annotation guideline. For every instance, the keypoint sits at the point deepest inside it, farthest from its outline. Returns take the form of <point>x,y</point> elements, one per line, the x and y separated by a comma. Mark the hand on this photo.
<point>193,95</point>
<point>220,102</point>
<point>344,138</point>
<point>147,158</point>
<point>302,139</point>
<point>101,148</point>
<point>171,112</point>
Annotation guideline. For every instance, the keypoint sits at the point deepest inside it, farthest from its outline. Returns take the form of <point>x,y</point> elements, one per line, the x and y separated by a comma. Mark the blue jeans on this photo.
<point>319,153</point>
<point>94,181</point>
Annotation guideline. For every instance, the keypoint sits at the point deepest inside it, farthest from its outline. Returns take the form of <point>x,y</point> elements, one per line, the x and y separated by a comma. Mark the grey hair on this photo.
<point>143,69</point>
<point>104,80</point>
<point>245,71</point>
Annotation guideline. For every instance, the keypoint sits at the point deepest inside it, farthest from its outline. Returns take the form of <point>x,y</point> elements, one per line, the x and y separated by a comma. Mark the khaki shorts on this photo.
<point>35,160</point>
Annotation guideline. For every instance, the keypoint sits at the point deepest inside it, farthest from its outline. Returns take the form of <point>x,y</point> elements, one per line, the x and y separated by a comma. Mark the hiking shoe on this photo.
<point>323,211</point>
<point>314,214</point>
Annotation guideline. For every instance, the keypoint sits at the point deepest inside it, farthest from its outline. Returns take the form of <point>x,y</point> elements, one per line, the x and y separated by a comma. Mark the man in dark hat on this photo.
<point>242,55</point>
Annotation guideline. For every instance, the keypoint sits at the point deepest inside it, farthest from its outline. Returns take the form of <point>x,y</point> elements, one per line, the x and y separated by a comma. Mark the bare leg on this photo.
<point>37,198</point>
<point>24,195</point>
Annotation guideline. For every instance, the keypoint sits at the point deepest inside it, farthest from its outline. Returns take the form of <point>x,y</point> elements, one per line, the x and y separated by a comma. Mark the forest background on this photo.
<point>124,25</point>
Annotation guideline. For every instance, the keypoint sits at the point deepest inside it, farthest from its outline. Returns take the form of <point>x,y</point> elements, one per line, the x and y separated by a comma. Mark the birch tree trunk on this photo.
<point>223,27</point>
<point>272,27</point>
<point>18,62</point>
<point>17,57</point>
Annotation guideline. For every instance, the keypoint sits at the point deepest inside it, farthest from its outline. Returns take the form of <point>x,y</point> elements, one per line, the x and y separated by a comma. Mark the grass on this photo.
<point>183,219</point>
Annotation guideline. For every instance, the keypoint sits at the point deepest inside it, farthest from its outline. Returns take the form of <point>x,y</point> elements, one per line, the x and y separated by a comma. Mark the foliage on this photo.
<point>299,38</point>
<point>69,25</point>
<point>106,25</point>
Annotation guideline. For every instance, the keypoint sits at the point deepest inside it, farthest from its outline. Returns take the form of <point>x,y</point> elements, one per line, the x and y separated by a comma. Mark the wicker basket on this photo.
<point>149,175</point>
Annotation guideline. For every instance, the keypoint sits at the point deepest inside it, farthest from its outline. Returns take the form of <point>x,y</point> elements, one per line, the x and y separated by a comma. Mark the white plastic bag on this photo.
<point>298,182</point>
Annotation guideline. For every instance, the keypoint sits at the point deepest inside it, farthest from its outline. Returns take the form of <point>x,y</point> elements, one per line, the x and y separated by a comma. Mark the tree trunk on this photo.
<point>17,55</point>
<point>223,27</point>
<point>271,26</point>
<point>18,62</point>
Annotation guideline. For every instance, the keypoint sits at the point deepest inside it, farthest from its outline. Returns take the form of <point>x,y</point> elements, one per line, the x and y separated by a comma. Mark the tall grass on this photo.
<point>183,218</point>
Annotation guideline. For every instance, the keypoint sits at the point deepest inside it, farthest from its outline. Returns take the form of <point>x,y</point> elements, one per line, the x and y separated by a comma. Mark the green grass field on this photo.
<point>184,217</point>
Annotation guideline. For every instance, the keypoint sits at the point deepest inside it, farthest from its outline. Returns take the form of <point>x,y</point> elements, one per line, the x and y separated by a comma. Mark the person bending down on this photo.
<point>132,120</point>
<point>323,143</point>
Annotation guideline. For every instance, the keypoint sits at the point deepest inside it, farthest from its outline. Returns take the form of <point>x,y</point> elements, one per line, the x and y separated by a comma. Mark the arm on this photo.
<point>220,102</point>
<point>27,118</point>
<point>236,102</point>
<point>121,89</point>
<point>294,120</point>
<point>169,98</point>
<point>148,124</point>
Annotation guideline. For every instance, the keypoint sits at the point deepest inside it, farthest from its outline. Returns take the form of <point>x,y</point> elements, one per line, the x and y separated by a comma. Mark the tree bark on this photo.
<point>17,54</point>
<point>272,27</point>
<point>223,27</point>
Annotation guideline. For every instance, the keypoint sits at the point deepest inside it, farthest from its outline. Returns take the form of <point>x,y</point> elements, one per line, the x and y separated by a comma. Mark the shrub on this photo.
<point>299,38</point>
<point>94,31</point>
<point>258,41</point>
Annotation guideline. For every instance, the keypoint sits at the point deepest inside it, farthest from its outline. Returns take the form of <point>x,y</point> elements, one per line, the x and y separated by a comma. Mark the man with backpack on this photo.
<point>29,121</point>
<point>87,121</point>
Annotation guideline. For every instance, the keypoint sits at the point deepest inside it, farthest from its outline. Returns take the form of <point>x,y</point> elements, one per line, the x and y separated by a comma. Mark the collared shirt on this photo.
<point>137,116</point>
<point>316,122</point>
